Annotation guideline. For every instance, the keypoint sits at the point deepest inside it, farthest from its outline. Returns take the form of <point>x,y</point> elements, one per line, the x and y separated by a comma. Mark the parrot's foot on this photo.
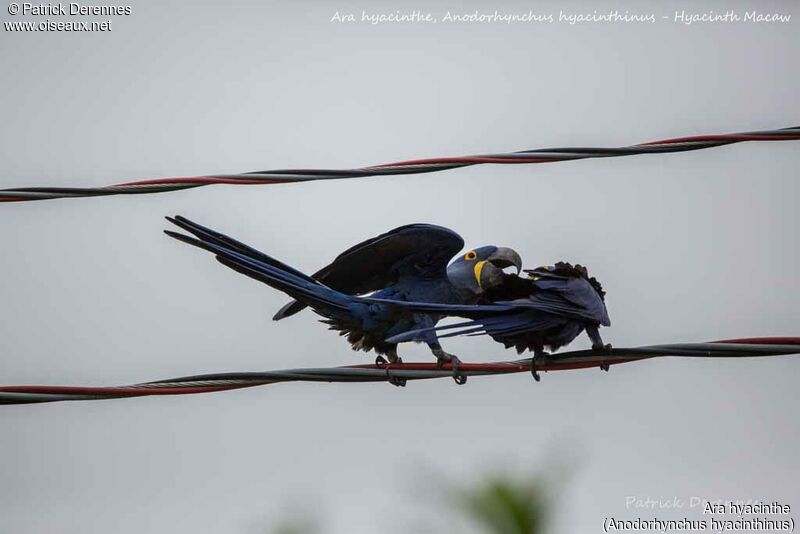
<point>458,377</point>
<point>397,381</point>
<point>602,349</point>
<point>537,356</point>
<point>393,357</point>
<point>443,357</point>
<point>380,361</point>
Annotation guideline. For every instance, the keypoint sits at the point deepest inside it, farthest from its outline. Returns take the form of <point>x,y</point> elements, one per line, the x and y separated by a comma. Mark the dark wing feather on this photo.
<point>421,250</point>
<point>573,284</point>
<point>513,287</point>
<point>550,308</point>
<point>567,270</point>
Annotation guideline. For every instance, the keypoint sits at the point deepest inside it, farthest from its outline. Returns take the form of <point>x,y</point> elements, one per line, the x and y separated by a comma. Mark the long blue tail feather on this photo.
<point>261,267</point>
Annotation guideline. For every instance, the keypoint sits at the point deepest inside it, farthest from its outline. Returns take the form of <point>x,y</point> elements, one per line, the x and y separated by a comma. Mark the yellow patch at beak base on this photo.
<point>478,269</point>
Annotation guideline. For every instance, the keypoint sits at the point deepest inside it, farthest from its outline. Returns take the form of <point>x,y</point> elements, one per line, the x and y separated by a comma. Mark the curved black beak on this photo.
<point>505,257</point>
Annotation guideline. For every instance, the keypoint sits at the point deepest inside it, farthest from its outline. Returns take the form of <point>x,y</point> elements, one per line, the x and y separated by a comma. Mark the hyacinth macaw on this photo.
<point>409,263</point>
<point>412,287</point>
<point>548,309</point>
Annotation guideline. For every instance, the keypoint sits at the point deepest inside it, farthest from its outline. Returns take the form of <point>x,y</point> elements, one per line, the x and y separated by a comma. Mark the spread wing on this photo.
<point>421,250</point>
<point>551,298</point>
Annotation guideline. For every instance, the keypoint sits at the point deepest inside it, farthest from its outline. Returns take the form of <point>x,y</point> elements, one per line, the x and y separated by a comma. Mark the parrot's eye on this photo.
<point>469,256</point>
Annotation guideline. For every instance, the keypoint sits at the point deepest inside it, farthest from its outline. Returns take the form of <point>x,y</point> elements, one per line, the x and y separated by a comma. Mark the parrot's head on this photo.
<point>482,268</point>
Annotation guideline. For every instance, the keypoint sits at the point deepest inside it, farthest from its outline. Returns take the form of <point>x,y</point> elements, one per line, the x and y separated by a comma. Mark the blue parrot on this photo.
<point>411,287</point>
<point>548,309</point>
<point>409,263</point>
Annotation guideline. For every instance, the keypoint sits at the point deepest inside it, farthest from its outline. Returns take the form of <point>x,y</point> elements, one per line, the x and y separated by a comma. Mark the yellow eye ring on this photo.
<point>469,256</point>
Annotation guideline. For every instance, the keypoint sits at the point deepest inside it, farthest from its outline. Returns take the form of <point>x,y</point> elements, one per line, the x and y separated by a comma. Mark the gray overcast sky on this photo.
<point>690,247</point>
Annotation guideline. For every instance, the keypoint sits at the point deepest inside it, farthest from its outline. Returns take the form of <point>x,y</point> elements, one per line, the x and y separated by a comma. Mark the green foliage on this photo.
<point>297,526</point>
<point>505,505</point>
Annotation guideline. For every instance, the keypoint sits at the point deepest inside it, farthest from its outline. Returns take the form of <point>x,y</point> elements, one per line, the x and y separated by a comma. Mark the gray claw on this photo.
<point>458,377</point>
<point>397,381</point>
<point>536,356</point>
<point>442,357</point>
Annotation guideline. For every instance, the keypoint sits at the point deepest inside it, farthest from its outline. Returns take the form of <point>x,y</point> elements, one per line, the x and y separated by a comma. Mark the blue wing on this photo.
<point>420,250</point>
<point>552,308</point>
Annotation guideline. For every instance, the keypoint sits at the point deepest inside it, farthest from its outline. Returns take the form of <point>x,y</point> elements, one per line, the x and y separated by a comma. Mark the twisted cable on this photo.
<point>398,374</point>
<point>547,155</point>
